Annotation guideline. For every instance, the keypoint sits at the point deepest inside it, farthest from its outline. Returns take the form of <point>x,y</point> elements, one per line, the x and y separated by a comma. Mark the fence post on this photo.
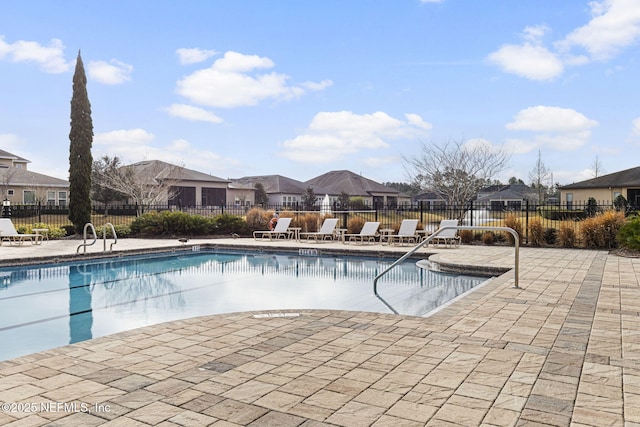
<point>471,213</point>
<point>421,212</point>
<point>526,222</point>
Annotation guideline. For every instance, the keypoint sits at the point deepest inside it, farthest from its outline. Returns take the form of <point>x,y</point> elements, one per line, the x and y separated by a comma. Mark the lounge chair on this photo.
<point>326,231</point>
<point>8,233</point>
<point>368,233</point>
<point>406,233</point>
<point>449,236</point>
<point>281,230</point>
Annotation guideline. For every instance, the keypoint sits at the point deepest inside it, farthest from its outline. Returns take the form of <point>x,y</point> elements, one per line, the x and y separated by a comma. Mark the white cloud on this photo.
<point>235,81</point>
<point>135,145</point>
<point>551,119</point>
<point>50,58</point>
<point>528,60</point>
<point>417,121</point>
<point>131,137</point>
<point>111,73</point>
<point>615,25</point>
<point>561,129</point>
<point>332,136</point>
<point>193,56</point>
<point>189,112</point>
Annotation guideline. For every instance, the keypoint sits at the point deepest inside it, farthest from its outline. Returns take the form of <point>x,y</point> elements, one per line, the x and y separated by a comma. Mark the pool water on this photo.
<point>46,306</point>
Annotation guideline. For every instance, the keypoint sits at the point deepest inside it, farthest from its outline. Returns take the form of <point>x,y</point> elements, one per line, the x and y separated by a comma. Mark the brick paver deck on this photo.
<point>562,350</point>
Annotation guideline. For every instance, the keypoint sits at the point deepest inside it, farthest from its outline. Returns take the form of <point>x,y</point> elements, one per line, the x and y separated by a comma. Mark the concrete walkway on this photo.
<point>562,350</point>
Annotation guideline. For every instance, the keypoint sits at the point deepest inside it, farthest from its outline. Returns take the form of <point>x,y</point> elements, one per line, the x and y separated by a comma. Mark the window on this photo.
<point>51,198</point>
<point>29,197</point>
<point>569,200</point>
<point>9,192</point>
<point>62,198</point>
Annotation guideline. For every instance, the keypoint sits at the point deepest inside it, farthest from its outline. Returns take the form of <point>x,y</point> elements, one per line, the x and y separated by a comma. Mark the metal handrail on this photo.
<point>84,235</point>
<point>434,235</point>
<point>104,237</point>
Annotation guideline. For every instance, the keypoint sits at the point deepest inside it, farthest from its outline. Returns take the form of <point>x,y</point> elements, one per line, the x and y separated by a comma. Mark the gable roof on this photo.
<point>507,192</point>
<point>157,169</point>
<point>335,182</point>
<point>10,156</point>
<point>625,178</point>
<point>25,178</point>
<point>275,184</point>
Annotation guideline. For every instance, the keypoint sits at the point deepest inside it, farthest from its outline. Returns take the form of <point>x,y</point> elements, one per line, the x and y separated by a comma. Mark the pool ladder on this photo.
<point>95,237</point>
<point>516,268</point>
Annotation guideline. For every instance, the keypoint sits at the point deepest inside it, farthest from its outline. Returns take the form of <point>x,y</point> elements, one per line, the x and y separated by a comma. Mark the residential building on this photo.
<point>21,186</point>
<point>507,197</point>
<point>190,188</point>
<point>281,190</point>
<point>373,193</point>
<point>604,189</point>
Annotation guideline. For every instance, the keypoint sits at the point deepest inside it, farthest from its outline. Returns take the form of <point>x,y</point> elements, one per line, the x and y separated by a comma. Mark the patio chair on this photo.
<point>406,233</point>
<point>449,236</point>
<point>326,231</point>
<point>8,233</point>
<point>367,234</point>
<point>281,230</point>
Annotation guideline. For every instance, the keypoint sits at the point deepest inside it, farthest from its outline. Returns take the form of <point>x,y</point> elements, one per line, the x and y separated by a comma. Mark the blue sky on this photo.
<point>299,88</point>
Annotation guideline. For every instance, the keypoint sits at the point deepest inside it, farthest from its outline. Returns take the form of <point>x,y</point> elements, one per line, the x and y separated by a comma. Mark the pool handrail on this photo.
<point>104,237</point>
<point>432,236</point>
<point>84,235</point>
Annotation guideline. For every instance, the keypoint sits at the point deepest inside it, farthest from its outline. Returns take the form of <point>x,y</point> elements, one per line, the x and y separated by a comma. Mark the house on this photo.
<point>430,200</point>
<point>21,186</point>
<point>281,190</point>
<point>190,188</point>
<point>507,197</point>
<point>604,189</point>
<point>373,193</point>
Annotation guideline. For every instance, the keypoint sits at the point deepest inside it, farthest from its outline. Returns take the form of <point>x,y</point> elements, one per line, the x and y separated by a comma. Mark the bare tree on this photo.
<point>597,168</point>
<point>145,183</point>
<point>539,176</point>
<point>455,171</point>
<point>6,178</point>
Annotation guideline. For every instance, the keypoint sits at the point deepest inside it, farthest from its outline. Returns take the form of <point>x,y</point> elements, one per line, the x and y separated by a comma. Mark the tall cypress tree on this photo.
<point>80,158</point>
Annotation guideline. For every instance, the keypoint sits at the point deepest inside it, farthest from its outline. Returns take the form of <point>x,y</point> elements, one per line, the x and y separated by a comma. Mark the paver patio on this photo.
<point>562,350</point>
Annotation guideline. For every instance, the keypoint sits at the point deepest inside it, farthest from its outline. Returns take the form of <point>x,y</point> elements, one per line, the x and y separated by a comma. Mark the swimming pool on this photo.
<point>47,306</point>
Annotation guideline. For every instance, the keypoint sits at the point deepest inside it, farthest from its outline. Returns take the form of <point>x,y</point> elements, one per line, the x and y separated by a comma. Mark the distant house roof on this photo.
<point>24,178</point>
<point>625,178</point>
<point>336,182</point>
<point>10,156</point>
<point>275,184</point>
<point>157,169</point>
<point>507,192</point>
<point>429,195</point>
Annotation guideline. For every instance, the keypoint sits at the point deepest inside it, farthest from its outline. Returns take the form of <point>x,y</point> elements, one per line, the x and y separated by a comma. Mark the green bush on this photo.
<point>121,231</point>
<point>629,234</point>
<point>54,232</point>
<point>172,223</point>
<point>228,224</point>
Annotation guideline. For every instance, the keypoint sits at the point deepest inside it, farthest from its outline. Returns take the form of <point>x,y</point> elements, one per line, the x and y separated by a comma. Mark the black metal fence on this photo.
<point>550,217</point>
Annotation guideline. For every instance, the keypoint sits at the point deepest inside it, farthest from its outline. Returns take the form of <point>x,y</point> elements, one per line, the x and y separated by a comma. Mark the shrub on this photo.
<point>567,236</point>
<point>488,237</point>
<point>550,236</point>
<point>629,234</point>
<point>591,209</point>
<point>536,232</point>
<point>511,221</point>
<point>228,224</point>
<point>121,231</point>
<point>466,236</point>
<point>600,231</point>
<point>308,222</point>
<point>54,232</point>
<point>258,218</point>
<point>172,223</point>
<point>355,224</point>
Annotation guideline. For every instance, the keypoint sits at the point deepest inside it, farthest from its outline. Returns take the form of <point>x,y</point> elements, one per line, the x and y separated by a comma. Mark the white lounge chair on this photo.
<point>406,233</point>
<point>449,236</point>
<point>326,231</point>
<point>8,233</point>
<point>281,230</point>
<point>368,233</point>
